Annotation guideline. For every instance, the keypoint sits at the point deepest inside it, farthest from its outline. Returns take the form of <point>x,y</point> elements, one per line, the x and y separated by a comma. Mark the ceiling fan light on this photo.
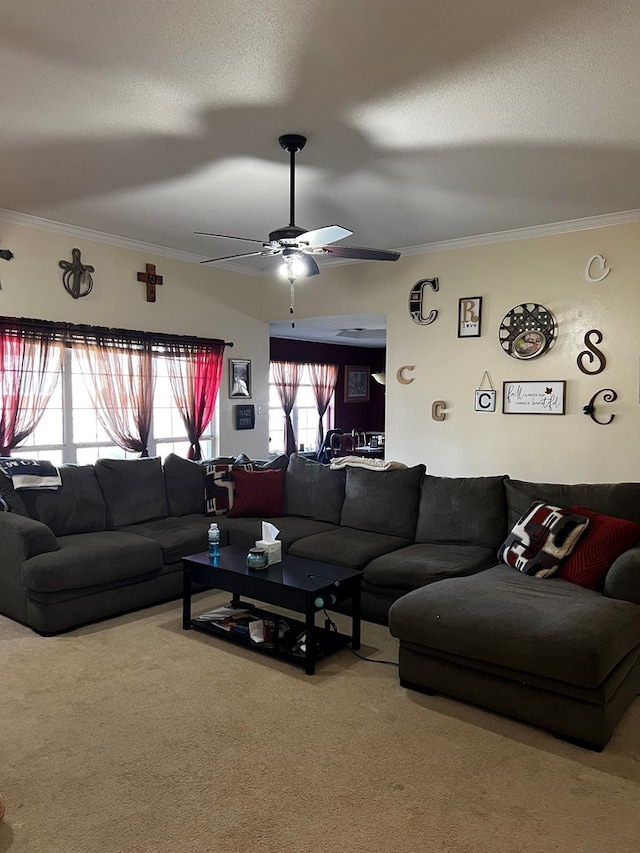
<point>293,266</point>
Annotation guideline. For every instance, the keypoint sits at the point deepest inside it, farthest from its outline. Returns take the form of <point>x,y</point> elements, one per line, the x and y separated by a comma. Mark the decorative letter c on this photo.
<point>402,379</point>
<point>437,412</point>
<point>604,270</point>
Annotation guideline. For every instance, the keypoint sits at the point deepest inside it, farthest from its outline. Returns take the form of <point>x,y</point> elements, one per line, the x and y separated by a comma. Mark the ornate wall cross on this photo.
<point>76,277</point>
<point>150,278</point>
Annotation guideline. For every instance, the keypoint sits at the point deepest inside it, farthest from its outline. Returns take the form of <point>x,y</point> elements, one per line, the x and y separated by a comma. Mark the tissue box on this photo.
<point>273,549</point>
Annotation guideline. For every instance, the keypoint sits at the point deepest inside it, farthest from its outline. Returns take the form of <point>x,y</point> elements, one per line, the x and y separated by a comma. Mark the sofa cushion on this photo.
<point>76,507</point>
<point>177,536</point>
<point>280,462</point>
<point>11,497</point>
<point>603,542</point>
<point>421,564</point>
<point>556,630</point>
<point>257,493</point>
<point>463,510</point>
<point>245,532</point>
<point>619,499</point>
<point>383,501</point>
<point>184,483</point>
<point>541,539</point>
<point>345,546</point>
<point>133,490</point>
<point>313,490</point>
<point>91,559</point>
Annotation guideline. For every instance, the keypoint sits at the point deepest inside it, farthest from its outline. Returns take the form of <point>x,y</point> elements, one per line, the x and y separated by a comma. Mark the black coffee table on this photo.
<point>298,584</point>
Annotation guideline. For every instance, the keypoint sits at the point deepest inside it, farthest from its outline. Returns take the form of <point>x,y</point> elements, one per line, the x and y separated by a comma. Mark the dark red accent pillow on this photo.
<point>604,540</point>
<point>257,493</point>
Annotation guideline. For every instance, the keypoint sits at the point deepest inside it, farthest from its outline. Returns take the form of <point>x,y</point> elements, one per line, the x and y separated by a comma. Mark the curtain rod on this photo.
<point>71,329</point>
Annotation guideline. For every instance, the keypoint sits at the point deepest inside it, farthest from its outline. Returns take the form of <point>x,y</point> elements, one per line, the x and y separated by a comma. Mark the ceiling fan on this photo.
<point>295,245</point>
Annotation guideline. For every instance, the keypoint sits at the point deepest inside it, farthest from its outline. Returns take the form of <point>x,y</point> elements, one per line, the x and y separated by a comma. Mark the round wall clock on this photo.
<point>527,331</point>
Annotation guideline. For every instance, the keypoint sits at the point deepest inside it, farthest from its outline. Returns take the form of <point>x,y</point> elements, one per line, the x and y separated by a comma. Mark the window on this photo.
<point>70,429</point>
<point>72,432</point>
<point>304,416</point>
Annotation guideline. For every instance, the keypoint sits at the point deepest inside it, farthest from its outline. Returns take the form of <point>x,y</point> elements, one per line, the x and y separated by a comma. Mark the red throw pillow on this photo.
<point>605,539</point>
<point>257,493</point>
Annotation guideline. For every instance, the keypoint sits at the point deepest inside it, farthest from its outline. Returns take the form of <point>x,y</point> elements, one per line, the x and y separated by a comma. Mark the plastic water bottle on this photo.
<point>214,541</point>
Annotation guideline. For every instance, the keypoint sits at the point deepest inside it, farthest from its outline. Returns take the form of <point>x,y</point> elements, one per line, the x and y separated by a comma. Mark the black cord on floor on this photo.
<point>372,660</point>
<point>334,627</point>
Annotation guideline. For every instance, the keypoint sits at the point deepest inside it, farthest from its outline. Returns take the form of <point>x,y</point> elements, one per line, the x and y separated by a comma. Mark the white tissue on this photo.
<point>269,533</point>
<point>269,543</point>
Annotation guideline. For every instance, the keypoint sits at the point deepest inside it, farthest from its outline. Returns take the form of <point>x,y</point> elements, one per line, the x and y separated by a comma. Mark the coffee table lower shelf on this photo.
<point>326,641</point>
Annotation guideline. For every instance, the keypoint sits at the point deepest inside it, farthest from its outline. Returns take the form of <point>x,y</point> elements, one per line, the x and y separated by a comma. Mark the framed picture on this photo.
<point>245,417</point>
<point>469,316</point>
<point>533,398</point>
<point>239,377</point>
<point>356,384</point>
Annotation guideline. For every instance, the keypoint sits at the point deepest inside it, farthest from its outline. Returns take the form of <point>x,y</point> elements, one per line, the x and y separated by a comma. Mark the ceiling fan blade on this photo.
<point>360,253</point>
<point>324,236</point>
<point>227,237</point>
<point>229,257</point>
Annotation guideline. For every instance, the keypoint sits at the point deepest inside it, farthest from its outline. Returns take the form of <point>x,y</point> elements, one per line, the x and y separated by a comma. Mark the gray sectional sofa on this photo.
<point>563,657</point>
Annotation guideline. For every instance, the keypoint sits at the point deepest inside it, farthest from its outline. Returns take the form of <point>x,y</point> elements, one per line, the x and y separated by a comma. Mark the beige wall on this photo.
<point>547,270</point>
<point>194,300</point>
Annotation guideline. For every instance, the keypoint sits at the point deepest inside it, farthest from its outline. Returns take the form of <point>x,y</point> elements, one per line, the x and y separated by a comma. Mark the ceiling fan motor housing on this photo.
<point>292,142</point>
<point>287,232</point>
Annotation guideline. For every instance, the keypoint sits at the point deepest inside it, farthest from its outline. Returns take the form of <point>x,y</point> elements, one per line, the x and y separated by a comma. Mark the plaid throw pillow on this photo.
<point>219,487</point>
<point>541,539</point>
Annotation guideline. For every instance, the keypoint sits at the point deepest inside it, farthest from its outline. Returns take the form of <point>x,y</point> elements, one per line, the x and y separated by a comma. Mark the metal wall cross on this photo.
<point>150,278</point>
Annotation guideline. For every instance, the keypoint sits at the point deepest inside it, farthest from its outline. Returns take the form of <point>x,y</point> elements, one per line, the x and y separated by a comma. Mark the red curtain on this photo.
<point>323,380</point>
<point>118,372</point>
<point>30,365</point>
<point>195,373</point>
<point>286,376</point>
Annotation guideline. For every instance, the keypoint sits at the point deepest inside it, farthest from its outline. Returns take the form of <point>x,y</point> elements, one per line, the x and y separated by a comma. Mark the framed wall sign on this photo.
<point>239,377</point>
<point>356,384</point>
<point>533,398</point>
<point>469,316</point>
<point>245,417</point>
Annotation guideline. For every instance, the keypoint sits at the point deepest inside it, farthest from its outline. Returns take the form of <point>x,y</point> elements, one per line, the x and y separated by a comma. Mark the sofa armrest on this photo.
<point>23,537</point>
<point>623,578</point>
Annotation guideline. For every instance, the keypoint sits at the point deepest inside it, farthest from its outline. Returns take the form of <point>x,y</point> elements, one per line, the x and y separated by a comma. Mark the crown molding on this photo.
<point>41,224</point>
<point>528,233</point>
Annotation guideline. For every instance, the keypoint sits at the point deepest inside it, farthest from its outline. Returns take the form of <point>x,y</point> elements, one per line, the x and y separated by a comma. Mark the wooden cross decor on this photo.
<point>150,278</point>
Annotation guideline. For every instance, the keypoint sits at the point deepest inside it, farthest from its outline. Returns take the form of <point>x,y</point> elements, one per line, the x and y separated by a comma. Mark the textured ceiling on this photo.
<point>426,121</point>
<point>355,330</point>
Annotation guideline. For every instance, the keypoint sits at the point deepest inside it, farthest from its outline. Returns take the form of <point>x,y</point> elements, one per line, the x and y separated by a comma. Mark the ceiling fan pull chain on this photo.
<point>292,300</point>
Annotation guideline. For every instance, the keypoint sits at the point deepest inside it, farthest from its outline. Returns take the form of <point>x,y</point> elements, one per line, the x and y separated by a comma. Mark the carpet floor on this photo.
<point>133,736</point>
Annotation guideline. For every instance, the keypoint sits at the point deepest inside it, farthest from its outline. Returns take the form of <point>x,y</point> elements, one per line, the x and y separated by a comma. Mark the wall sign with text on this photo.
<point>533,398</point>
